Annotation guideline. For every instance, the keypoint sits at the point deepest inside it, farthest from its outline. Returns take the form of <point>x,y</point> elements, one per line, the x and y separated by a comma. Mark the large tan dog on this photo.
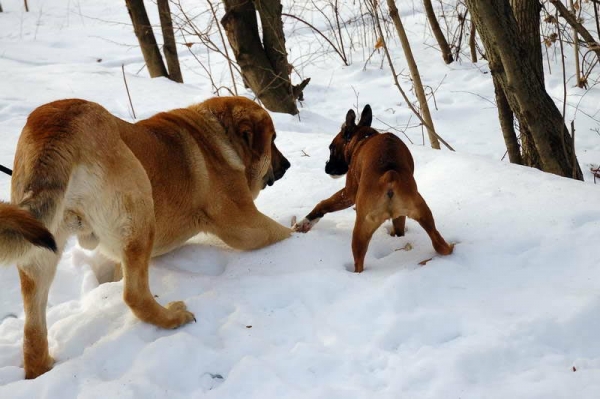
<point>380,181</point>
<point>135,191</point>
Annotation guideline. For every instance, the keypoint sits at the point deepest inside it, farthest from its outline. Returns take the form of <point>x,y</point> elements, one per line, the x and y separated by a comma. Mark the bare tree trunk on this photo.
<point>264,69</point>
<point>472,43</point>
<point>272,33</point>
<point>580,82</point>
<point>527,15</point>
<point>26,6</point>
<point>1,10</point>
<point>437,32</point>
<point>414,73</point>
<point>523,86</point>
<point>169,46</point>
<point>597,18</point>
<point>145,36</point>
<point>507,123</point>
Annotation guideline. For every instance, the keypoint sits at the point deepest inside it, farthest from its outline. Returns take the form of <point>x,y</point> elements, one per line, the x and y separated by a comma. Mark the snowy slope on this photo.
<point>513,313</point>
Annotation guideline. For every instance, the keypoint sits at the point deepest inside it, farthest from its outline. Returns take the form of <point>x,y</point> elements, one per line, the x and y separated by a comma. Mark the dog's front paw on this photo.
<point>304,225</point>
<point>180,314</point>
<point>36,367</point>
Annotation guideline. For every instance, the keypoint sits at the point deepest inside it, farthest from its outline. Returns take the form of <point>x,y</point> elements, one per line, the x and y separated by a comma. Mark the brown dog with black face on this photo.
<point>379,181</point>
<point>134,191</point>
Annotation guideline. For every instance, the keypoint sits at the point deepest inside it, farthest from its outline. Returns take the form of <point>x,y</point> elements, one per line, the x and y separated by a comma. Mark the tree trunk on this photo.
<point>272,34</point>
<point>414,73</point>
<point>527,15</point>
<point>265,69</point>
<point>523,86</point>
<point>507,123</point>
<point>437,32</point>
<point>26,6</point>
<point>472,43</point>
<point>169,46</point>
<point>145,36</point>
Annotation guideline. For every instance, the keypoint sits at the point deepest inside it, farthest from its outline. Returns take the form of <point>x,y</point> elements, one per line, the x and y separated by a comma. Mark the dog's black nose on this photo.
<point>283,166</point>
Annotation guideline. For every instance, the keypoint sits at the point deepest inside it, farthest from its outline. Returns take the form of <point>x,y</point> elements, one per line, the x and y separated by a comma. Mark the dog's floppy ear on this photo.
<point>349,125</point>
<point>366,116</point>
<point>245,130</point>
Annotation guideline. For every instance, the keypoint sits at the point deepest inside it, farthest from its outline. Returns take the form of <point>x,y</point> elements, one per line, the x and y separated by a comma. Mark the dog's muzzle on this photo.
<point>285,165</point>
<point>334,170</point>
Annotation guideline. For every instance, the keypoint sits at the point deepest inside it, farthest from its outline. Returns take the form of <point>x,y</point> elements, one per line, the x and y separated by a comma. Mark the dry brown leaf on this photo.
<point>424,262</point>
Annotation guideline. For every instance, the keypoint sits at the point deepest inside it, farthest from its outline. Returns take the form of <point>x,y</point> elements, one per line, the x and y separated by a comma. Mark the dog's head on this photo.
<point>340,150</point>
<point>252,133</point>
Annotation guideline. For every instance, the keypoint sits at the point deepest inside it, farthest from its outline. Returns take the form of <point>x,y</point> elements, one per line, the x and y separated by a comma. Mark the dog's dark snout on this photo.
<point>283,166</point>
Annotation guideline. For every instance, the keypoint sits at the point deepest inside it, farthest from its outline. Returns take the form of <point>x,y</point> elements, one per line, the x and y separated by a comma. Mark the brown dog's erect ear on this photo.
<point>350,125</point>
<point>366,116</point>
<point>350,118</point>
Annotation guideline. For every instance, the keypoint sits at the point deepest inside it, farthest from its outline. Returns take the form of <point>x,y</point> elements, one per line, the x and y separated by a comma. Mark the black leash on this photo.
<point>5,170</point>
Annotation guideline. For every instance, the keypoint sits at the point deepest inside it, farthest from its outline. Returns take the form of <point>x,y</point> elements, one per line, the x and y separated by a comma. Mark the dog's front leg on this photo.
<point>242,226</point>
<point>338,201</point>
<point>398,226</point>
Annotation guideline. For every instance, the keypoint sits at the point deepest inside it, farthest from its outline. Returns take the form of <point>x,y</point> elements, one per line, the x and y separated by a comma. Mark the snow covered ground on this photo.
<point>513,313</point>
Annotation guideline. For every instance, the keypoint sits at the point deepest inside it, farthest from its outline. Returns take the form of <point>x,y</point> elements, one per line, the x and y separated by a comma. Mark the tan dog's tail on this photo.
<point>44,160</point>
<point>18,230</point>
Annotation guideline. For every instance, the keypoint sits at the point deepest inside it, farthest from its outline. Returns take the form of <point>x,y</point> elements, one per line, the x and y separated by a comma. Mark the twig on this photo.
<point>127,88</point>
<point>229,62</point>
<point>398,130</point>
<point>342,56</point>
<point>564,110</point>
<point>304,154</point>
<point>595,172</point>
<point>572,20</point>
<point>574,157</point>
<point>397,83</point>
<point>356,94</point>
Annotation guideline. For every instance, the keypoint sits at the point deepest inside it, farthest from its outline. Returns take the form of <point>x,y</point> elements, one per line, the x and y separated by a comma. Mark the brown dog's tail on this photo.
<point>389,182</point>
<point>18,230</point>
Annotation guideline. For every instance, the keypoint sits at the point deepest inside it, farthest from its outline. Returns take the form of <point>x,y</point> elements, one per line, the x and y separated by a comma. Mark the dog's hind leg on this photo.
<point>398,226</point>
<point>361,237</point>
<point>425,219</point>
<point>36,276</point>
